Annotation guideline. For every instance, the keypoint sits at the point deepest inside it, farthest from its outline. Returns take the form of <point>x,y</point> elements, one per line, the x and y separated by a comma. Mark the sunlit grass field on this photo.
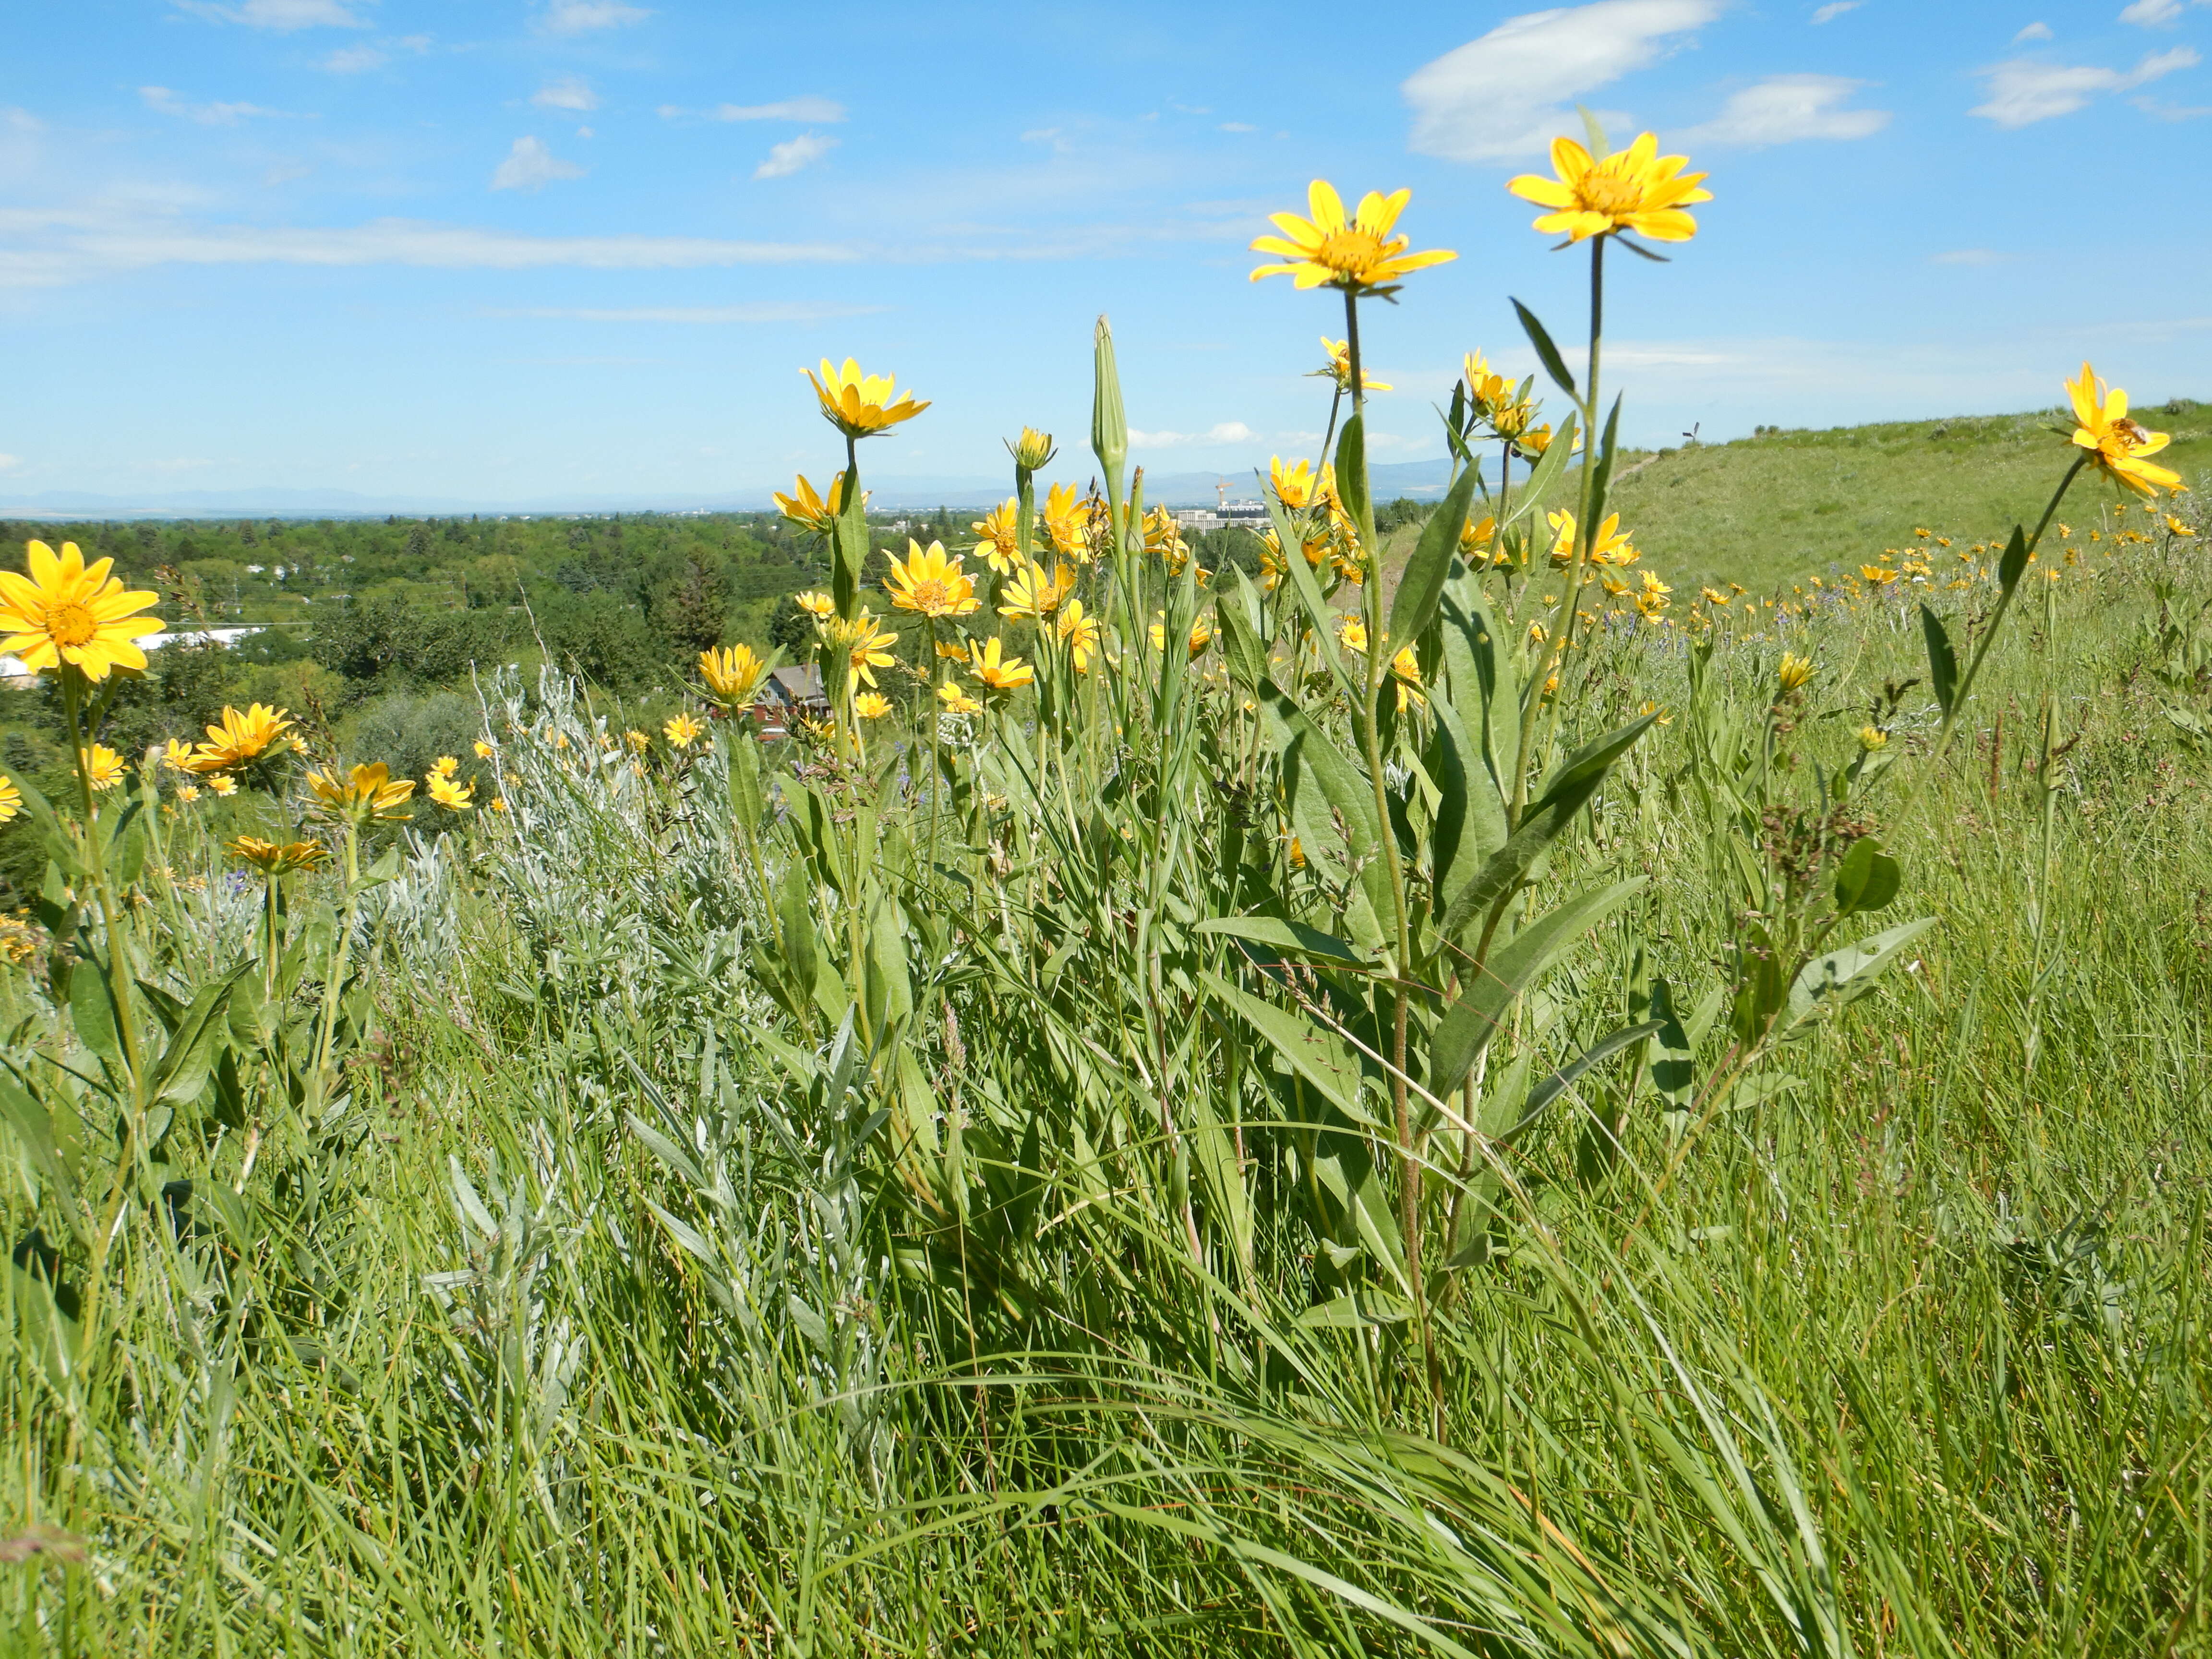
<point>1527,1089</point>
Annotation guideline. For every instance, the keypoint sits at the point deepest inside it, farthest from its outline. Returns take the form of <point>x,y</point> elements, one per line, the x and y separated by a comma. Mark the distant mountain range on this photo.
<point>1422,480</point>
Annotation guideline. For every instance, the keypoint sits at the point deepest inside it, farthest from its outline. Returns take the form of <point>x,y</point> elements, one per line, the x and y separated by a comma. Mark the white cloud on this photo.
<point>1504,95</point>
<point>531,166</point>
<point>1238,126</point>
<point>2151,14</point>
<point>353,60</point>
<point>825,110</point>
<point>1226,432</point>
<point>47,247</point>
<point>1783,108</point>
<point>765,311</point>
<point>2022,91</point>
<point>283,16</point>
<point>569,93</point>
<point>166,102</point>
<point>1834,9</point>
<point>2033,32</point>
<point>788,157</point>
<point>9,463</point>
<point>579,16</point>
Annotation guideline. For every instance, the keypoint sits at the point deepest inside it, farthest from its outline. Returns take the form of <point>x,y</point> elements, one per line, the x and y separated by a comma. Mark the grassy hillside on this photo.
<point>1775,509</point>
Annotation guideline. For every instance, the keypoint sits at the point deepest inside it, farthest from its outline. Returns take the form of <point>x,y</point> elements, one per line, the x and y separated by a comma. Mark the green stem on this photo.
<point>1377,679</point>
<point>1556,641</point>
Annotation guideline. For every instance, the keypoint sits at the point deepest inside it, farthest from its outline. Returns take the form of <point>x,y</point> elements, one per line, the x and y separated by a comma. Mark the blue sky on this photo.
<point>513,249</point>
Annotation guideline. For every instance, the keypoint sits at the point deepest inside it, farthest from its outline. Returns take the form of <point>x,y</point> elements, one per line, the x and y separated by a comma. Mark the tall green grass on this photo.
<point>608,1311</point>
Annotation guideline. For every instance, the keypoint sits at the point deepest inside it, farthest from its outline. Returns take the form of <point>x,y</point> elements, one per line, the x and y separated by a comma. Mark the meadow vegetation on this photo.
<point>1474,1091</point>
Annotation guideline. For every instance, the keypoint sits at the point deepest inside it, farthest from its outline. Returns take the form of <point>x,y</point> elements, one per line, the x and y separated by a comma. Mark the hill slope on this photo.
<point>1775,509</point>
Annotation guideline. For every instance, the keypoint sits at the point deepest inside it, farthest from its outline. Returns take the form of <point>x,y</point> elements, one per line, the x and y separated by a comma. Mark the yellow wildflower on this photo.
<point>1081,634</point>
<point>447,766</point>
<point>226,785</point>
<point>271,859</point>
<point>866,645</point>
<point>1036,596</point>
<point>815,603</point>
<point>1001,544</point>
<point>931,581</point>
<point>454,797</point>
<point>860,405</point>
<point>733,676</point>
<point>1295,485</point>
<point>681,730</point>
<point>639,742</point>
<point>808,513</point>
<point>1872,737</point>
<point>1351,633</point>
<point>998,671</point>
<point>1634,189</point>
<point>11,798</point>
<point>1795,672</point>
<point>66,611</point>
<point>1338,367</point>
<point>366,793</point>
<point>187,793</point>
<point>2116,445</point>
<point>103,767</point>
<point>1488,391</point>
<point>871,705</point>
<point>484,750</point>
<point>1068,523</point>
<point>957,702</point>
<point>176,755</point>
<point>1359,253</point>
<point>1033,450</point>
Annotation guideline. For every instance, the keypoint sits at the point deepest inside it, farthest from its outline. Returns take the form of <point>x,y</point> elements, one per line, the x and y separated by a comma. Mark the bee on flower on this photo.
<point>2115,444</point>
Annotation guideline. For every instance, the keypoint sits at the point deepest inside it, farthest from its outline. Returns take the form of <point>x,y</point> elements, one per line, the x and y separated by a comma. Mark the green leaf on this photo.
<point>1242,647</point>
<point>1544,1094</point>
<point>1421,583</point>
<point>1839,977</point>
<point>1943,662</point>
<point>1546,473</point>
<point>1470,1022</point>
<point>1289,938</point>
<point>1566,795</point>
<point>182,1071</point>
<point>2013,565</point>
<point>34,1127</point>
<point>1351,471</point>
<point>1866,879</point>
<point>92,1011</point>
<point>1319,616</point>
<point>1323,1059</point>
<point>1554,365</point>
<point>1602,474</point>
<point>1307,749</point>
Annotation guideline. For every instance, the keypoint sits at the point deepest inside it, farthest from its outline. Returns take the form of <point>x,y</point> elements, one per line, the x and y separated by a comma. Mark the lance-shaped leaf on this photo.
<point>1309,752</point>
<point>1351,480</point>
<point>1468,1025</point>
<point>1554,364</point>
<point>1531,492</point>
<point>1541,1097</point>
<point>1323,1059</point>
<point>1237,612</point>
<point>1867,879</point>
<point>1566,795</point>
<point>1290,938</point>
<point>1943,661</point>
<point>1421,584</point>
<point>1319,617</point>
